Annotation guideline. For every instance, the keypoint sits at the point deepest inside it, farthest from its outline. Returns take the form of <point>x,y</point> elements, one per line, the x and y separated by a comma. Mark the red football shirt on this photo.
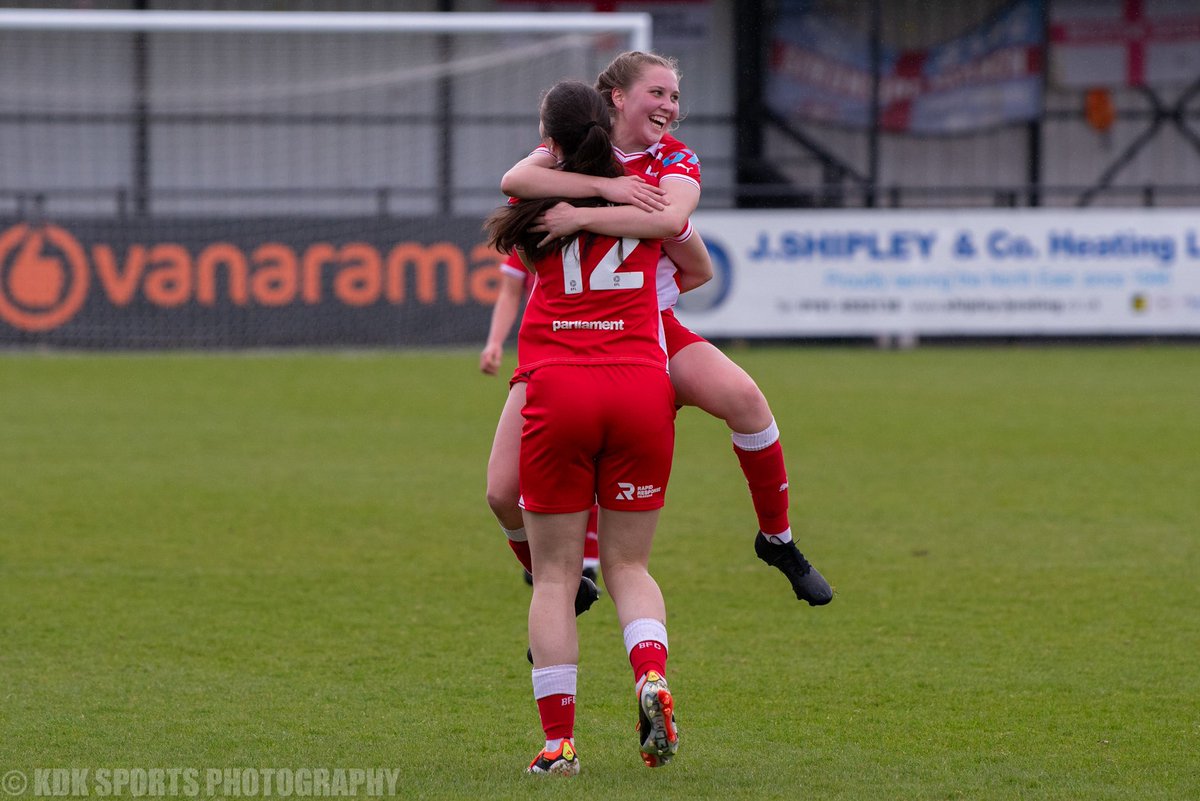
<point>595,302</point>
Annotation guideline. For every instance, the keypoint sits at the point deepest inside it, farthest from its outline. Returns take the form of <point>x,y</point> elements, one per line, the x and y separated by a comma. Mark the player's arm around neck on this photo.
<point>537,176</point>
<point>669,221</point>
<point>564,220</point>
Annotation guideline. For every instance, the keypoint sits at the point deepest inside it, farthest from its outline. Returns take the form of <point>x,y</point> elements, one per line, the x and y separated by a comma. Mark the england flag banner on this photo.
<point>1024,272</point>
<point>1111,43</point>
<point>991,75</point>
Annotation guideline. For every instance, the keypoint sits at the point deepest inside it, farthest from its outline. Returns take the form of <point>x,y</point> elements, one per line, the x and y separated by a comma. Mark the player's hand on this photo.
<point>560,220</point>
<point>633,190</point>
<point>489,359</point>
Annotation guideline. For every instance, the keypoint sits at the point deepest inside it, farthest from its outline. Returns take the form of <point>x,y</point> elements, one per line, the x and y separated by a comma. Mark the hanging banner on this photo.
<point>1098,43</point>
<point>989,76</point>
<point>948,273</point>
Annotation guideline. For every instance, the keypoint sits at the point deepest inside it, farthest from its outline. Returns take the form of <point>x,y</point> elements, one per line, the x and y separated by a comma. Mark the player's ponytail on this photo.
<point>575,117</point>
<point>507,228</point>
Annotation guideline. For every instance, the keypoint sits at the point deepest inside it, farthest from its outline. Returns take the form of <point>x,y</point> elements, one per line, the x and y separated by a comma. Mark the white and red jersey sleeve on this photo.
<point>516,268</point>
<point>595,303</point>
<point>667,160</point>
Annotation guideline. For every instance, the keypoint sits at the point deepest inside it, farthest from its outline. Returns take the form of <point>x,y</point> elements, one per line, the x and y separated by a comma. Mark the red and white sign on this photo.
<point>1124,42</point>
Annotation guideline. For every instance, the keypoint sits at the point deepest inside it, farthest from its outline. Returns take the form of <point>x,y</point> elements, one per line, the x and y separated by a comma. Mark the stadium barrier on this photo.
<point>374,281</point>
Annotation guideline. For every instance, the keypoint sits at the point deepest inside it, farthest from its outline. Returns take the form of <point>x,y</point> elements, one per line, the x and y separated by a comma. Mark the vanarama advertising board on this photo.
<point>245,283</point>
<point>946,273</point>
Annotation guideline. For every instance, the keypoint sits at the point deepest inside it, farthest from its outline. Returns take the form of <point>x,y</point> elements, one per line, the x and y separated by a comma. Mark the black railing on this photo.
<point>119,202</point>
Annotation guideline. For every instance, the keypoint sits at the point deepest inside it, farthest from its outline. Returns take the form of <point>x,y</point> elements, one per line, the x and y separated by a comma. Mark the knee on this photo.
<point>749,411</point>
<point>502,499</point>
<point>618,571</point>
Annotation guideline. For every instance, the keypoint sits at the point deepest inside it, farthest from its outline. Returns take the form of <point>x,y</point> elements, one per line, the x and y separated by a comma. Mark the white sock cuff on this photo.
<point>642,629</point>
<point>756,442</point>
<point>554,680</point>
<point>515,534</point>
<point>782,538</point>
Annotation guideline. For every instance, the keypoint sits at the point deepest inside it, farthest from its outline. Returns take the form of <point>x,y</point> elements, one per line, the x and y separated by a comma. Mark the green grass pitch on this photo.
<point>286,560</point>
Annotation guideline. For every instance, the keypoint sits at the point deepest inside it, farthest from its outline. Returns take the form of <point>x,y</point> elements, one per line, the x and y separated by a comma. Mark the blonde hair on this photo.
<point>625,69</point>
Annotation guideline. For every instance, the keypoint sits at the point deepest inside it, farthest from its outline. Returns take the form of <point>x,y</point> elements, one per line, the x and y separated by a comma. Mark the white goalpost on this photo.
<point>637,26</point>
<point>182,112</point>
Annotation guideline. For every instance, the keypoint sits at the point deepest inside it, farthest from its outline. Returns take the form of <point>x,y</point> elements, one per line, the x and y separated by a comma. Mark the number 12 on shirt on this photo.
<point>604,275</point>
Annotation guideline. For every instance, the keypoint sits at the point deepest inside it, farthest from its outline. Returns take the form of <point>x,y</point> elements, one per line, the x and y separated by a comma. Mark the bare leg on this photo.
<point>706,378</point>
<point>624,557</point>
<point>556,544</point>
<point>503,472</point>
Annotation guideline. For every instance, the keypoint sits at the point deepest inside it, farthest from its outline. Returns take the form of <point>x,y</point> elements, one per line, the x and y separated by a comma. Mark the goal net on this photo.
<point>240,179</point>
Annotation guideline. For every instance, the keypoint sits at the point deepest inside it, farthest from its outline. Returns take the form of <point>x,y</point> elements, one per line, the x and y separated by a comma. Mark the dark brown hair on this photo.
<point>575,116</point>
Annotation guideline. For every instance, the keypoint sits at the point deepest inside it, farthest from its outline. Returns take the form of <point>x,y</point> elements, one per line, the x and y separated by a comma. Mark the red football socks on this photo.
<point>558,716</point>
<point>521,549</point>
<point>766,475</point>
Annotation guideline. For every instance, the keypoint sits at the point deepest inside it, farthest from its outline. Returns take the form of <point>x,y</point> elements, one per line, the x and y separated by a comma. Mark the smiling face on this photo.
<point>646,109</point>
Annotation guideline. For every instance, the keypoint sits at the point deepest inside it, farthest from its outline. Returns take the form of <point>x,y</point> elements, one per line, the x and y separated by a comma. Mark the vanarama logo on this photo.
<point>46,274</point>
<point>43,277</point>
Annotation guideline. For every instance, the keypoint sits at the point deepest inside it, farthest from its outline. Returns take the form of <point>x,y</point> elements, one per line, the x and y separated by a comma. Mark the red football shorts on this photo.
<point>678,336</point>
<point>596,433</point>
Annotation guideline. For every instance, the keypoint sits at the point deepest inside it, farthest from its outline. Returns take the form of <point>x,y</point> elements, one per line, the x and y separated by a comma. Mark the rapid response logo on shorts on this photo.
<point>628,492</point>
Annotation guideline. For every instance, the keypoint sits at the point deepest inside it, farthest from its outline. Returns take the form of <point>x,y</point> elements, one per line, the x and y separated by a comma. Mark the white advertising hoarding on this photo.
<point>945,273</point>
